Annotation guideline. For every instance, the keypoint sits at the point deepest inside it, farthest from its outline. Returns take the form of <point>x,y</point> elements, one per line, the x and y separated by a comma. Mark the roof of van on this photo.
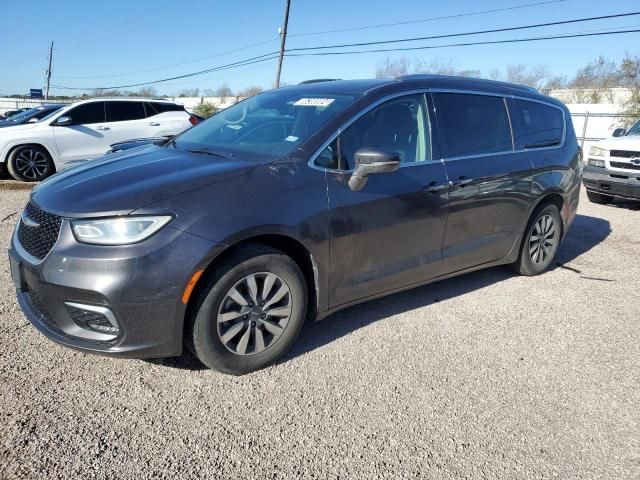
<point>417,81</point>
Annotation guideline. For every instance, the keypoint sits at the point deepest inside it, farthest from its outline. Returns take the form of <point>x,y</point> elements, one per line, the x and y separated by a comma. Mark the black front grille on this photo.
<point>628,166</point>
<point>625,154</point>
<point>39,234</point>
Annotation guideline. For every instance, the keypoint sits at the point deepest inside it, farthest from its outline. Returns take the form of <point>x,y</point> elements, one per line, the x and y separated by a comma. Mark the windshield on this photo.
<point>635,130</point>
<point>23,116</point>
<point>272,123</point>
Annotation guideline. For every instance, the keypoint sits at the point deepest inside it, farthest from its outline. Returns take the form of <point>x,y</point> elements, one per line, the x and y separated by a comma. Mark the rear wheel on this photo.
<point>251,311</point>
<point>599,198</point>
<point>30,163</point>
<point>541,241</point>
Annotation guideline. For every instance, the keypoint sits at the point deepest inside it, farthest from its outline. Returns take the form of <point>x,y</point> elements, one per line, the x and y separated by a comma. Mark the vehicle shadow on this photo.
<point>586,233</point>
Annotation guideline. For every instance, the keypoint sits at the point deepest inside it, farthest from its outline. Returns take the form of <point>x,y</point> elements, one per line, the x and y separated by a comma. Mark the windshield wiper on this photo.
<point>206,151</point>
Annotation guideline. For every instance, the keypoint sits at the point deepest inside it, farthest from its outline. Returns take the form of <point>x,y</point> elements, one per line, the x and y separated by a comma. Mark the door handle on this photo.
<point>462,181</point>
<point>103,128</point>
<point>154,124</point>
<point>437,187</point>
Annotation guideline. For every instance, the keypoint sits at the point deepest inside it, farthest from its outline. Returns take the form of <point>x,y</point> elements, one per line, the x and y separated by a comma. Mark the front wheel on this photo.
<point>541,241</point>
<point>250,312</point>
<point>30,163</point>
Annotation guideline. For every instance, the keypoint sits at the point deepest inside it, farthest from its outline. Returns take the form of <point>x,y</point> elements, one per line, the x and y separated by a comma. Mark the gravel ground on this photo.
<point>488,375</point>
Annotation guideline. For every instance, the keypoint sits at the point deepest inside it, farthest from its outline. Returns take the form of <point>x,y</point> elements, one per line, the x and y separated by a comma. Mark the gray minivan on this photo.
<point>290,205</point>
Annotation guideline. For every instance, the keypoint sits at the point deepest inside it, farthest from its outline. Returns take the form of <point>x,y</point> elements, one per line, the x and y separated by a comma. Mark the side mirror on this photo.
<point>63,121</point>
<point>32,120</point>
<point>371,161</point>
<point>619,132</point>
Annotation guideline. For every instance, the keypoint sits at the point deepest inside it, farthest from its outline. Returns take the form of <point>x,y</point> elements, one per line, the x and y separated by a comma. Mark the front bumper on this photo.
<point>617,183</point>
<point>141,285</point>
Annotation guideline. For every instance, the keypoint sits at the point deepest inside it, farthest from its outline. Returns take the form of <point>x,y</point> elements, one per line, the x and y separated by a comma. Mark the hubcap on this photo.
<point>542,241</point>
<point>31,164</point>
<point>254,313</point>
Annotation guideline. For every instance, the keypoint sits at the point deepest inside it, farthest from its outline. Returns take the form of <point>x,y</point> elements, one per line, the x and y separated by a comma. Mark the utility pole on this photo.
<point>283,39</point>
<point>46,92</point>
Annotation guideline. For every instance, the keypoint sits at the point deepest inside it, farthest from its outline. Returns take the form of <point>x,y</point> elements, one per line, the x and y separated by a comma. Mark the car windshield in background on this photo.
<point>272,123</point>
<point>635,130</point>
<point>22,116</point>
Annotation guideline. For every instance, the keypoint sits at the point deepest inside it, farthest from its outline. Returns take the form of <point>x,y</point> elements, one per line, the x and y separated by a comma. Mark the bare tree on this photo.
<point>250,91</point>
<point>630,78</point>
<point>189,92</point>
<point>392,68</point>
<point>594,82</point>
<point>524,75</point>
<point>436,66</point>
<point>223,91</point>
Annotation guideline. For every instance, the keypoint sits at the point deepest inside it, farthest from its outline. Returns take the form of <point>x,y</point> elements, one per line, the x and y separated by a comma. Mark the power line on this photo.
<point>162,67</point>
<point>467,44</point>
<point>308,50</point>
<point>241,63</point>
<point>464,34</point>
<point>432,19</point>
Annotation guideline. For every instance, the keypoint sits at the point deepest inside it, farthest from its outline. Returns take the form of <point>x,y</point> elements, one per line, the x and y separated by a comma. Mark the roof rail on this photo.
<point>427,76</point>
<point>318,80</point>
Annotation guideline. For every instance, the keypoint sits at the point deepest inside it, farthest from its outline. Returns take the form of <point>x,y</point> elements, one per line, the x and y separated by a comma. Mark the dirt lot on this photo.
<point>488,375</point>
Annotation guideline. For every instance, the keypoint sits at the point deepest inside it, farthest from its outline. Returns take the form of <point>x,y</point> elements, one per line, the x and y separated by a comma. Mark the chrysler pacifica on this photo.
<point>290,205</point>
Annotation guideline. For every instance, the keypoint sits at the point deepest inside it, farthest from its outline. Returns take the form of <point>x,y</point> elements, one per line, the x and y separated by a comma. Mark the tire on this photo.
<point>30,163</point>
<point>599,198</point>
<point>537,252</point>
<point>234,338</point>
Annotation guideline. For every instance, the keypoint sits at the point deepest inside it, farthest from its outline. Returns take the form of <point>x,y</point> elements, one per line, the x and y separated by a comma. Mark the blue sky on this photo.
<point>121,42</point>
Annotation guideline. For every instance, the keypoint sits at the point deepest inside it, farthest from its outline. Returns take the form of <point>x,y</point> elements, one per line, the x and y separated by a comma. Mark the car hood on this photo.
<point>631,142</point>
<point>119,183</point>
<point>12,127</point>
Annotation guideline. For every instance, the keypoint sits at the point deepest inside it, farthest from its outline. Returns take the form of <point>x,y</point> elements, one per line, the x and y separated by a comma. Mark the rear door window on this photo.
<point>536,125</point>
<point>124,111</point>
<point>471,124</point>
<point>87,114</point>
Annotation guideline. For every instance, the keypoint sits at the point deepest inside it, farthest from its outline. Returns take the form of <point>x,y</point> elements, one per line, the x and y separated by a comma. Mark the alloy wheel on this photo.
<point>31,164</point>
<point>254,313</point>
<point>542,241</point>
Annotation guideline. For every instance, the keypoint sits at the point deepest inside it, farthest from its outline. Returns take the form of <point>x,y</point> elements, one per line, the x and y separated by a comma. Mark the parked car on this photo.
<point>293,204</point>
<point>85,130</point>
<point>11,113</point>
<point>32,115</point>
<point>613,167</point>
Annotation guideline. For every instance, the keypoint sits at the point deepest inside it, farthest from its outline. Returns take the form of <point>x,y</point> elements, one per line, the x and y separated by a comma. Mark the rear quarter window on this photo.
<point>536,125</point>
<point>124,111</point>
<point>155,108</point>
<point>472,124</point>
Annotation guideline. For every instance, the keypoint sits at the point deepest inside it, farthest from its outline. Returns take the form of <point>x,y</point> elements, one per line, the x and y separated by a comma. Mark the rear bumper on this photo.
<point>139,286</point>
<point>621,184</point>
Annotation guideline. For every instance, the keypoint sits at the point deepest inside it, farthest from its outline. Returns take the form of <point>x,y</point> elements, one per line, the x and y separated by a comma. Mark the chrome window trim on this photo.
<point>426,91</point>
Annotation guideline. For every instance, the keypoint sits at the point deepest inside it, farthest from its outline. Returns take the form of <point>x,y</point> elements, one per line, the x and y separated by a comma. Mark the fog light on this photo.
<point>93,317</point>
<point>594,162</point>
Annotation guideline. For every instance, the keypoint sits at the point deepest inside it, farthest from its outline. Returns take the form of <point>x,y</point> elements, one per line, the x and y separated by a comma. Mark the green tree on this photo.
<point>206,109</point>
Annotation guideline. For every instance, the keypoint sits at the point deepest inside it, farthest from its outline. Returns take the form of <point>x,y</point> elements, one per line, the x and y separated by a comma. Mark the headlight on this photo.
<point>595,162</point>
<point>117,231</point>
<point>598,152</point>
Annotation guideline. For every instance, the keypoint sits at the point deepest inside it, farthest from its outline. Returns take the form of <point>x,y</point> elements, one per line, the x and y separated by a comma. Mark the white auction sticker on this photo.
<point>314,102</point>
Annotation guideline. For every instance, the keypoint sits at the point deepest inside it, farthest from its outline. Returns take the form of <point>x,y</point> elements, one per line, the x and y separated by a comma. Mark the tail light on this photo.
<point>193,119</point>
